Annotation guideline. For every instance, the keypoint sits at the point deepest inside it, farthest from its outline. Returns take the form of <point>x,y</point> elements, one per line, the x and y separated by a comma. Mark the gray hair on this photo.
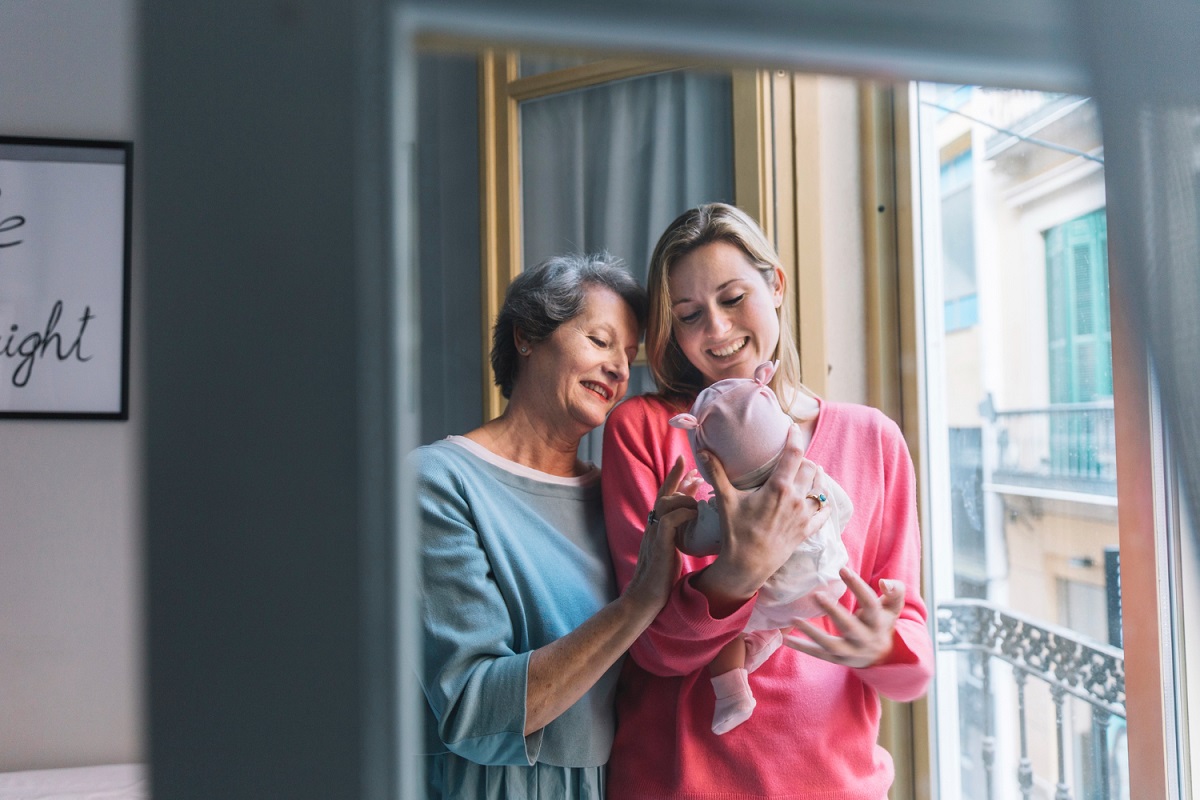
<point>542,298</point>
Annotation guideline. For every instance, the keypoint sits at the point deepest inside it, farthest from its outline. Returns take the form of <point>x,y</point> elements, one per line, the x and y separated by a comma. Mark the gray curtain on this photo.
<point>1145,61</point>
<point>608,168</point>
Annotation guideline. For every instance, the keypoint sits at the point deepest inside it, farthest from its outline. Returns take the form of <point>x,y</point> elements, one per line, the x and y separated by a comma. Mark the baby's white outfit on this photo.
<point>741,422</point>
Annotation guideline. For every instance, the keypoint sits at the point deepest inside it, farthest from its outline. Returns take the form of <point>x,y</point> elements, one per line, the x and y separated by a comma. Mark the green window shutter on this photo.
<point>1104,326</point>
<point>1059,316</point>
<point>1080,338</point>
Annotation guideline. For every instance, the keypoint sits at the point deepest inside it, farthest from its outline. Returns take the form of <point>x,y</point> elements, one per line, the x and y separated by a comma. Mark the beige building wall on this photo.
<point>1051,541</point>
<point>964,383</point>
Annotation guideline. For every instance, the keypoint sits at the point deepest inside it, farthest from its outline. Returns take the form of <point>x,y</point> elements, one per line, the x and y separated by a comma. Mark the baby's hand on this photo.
<point>678,483</point>
<point>691,484</point>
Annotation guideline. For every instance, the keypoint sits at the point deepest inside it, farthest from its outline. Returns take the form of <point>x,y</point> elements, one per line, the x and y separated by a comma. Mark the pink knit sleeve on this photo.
<point>638,451</point>
<point>906,674</point>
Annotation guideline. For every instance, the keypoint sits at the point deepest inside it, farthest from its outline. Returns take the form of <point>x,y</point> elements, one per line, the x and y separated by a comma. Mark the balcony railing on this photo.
<point>1064,447</point>
<point>1059,658</point>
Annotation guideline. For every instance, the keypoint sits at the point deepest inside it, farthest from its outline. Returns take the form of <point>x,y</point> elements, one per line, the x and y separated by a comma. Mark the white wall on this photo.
<point>841,238</point>
<point>70,530</point>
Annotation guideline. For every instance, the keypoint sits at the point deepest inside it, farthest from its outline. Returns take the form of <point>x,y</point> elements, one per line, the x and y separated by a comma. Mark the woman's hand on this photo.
<point>658,560</point>
<point>560,672</point>
<point>866,635</point>
<point>760,529</point>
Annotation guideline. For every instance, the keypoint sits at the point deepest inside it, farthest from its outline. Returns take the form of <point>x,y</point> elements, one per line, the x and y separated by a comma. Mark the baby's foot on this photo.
<point>735,703</point>
<point>759,647</point>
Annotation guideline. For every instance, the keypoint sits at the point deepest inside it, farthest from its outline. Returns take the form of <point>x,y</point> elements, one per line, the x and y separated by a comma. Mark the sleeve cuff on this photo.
<point>489,724</point>
<point>906,673</point>
<point>696,610</point>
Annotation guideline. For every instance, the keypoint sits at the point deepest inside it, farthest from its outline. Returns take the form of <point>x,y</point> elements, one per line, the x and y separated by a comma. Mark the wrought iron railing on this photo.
<point>1068,446</point>
<point>1069,665</point>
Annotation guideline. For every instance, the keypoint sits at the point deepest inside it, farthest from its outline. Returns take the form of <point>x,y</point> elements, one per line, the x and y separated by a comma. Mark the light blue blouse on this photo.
<point>512,560</point>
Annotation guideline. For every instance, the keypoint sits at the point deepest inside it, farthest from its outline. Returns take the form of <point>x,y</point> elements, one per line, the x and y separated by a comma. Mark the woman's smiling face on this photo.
<point>726,316</point>
<point>578,374</point>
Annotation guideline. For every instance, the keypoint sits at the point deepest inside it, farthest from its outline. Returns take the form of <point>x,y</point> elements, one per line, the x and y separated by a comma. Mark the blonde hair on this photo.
<point>677,379</point>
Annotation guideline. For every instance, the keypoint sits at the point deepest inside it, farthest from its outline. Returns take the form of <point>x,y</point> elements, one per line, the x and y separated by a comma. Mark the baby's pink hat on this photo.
<point>740,421</point>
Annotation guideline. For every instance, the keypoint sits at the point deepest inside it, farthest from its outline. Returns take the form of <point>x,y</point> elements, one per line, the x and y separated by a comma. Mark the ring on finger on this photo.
<point>652,517</point>
<point>820,497</point>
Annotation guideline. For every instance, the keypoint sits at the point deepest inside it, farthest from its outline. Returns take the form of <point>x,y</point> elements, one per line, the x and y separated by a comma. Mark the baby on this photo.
<point>741,422</point>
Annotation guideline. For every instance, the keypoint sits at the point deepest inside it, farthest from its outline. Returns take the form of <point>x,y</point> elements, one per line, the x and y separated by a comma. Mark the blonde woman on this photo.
<point>717,310</point>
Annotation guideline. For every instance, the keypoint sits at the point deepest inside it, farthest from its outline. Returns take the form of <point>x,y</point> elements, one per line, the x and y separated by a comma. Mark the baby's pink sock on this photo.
<point>735,703</point>
<point>760,645</point>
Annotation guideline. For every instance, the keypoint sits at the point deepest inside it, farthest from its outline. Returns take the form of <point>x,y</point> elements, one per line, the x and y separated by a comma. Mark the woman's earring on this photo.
<point>524,350</point>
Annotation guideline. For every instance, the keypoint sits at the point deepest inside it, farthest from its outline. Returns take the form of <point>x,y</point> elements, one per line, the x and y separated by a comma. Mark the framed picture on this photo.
<point>64,278</point>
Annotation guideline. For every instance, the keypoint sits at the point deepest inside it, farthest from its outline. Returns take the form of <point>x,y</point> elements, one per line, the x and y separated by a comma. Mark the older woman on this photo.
<point>522,620</point>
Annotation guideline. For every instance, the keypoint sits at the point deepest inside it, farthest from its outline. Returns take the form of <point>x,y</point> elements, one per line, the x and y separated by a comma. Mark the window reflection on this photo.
<point>1031,677</point>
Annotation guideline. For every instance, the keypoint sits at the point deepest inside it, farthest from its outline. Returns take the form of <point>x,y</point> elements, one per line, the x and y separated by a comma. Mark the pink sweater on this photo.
<point>813,733</point>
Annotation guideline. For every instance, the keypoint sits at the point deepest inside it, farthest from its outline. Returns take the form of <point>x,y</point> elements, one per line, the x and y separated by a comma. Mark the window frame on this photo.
<point>1147,511</point>
<point>895,367</point>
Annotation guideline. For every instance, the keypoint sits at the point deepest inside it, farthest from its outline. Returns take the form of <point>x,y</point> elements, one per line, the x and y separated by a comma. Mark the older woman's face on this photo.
<point>582,371</point>
<point>726,315</point>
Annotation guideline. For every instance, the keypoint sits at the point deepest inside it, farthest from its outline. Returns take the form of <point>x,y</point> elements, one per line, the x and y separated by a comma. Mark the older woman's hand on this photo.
<point>658,560</point>
<point>761,528</point>
<point>866,635</point>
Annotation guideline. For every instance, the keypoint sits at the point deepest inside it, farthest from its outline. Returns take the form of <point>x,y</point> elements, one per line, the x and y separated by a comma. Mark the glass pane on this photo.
<point>1030,689</point>
<point>610,166</point>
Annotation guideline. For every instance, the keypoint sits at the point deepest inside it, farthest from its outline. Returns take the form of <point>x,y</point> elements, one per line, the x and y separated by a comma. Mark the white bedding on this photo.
<point>110,782</point>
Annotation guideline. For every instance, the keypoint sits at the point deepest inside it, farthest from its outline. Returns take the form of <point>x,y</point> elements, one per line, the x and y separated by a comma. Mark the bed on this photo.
<point>108,782</point>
